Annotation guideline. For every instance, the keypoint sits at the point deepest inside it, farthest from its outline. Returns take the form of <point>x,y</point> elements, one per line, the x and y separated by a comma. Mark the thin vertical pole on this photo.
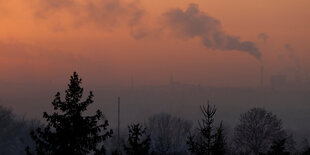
<point>118,122</point>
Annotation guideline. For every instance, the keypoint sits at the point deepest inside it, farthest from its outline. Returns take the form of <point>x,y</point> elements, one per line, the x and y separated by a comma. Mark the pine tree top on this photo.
<point>68,131</point>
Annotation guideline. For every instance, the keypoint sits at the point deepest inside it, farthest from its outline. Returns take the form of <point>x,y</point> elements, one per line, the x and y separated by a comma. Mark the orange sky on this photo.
<point>110,42</point>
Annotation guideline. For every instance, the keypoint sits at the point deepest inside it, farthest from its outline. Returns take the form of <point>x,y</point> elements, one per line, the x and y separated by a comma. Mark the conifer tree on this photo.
<point>209,140</point>
<point>138,141</point>
<point>220,141</point>
<point>68,130</point>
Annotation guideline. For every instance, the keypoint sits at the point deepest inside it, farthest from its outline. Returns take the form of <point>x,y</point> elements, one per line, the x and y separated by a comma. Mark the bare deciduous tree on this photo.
<point>168,134</point>
<point>257,130</point>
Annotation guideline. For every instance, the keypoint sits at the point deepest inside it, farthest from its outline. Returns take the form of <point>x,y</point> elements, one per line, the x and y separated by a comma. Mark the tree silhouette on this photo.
<point>305,148</point>
<point>257,130</point>
<point>14,132</point>
<point>138,141</point>
<point>168,134</point>
<point>220,141</point>
<point>68,131</point>
<point>209,140</point>
<point>306,152</point>
<point>278,147</point>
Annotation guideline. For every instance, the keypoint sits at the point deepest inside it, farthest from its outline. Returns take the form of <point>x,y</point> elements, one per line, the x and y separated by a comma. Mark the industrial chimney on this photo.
<point>262,75</point>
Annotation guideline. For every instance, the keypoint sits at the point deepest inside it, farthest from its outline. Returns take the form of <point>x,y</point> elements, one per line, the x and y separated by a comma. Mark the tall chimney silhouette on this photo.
<point>262,75</point>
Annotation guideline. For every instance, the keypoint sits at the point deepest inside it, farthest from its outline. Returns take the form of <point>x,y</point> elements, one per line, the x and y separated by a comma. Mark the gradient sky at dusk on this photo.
<point>110,41</point>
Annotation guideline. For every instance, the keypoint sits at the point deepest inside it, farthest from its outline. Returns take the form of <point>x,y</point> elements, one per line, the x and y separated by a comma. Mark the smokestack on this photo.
<point>262,75</point>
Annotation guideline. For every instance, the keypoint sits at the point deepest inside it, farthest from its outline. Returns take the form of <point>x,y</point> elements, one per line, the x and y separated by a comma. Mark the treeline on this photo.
<point>68,130</point>
<point>14,132</point>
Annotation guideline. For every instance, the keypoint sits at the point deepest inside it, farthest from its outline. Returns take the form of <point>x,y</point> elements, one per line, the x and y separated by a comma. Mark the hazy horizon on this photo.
<point>159,56</point>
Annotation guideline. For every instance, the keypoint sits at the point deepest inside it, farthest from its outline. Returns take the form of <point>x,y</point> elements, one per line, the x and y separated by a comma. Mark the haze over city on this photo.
<point>159,56</point>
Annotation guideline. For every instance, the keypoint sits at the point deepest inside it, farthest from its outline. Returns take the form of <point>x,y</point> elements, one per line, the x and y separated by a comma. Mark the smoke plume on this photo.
<point>104,14</point>
<point>193,23</point>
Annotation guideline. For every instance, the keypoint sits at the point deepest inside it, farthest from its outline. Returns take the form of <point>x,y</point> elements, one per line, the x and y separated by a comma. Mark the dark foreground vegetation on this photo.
<point>69,130</point>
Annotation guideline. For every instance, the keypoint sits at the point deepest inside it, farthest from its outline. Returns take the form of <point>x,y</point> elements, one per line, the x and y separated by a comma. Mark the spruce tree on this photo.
<point>138,141</point>
<point>220,141</point>
<point>68,131</point>
<point>209,140</point>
